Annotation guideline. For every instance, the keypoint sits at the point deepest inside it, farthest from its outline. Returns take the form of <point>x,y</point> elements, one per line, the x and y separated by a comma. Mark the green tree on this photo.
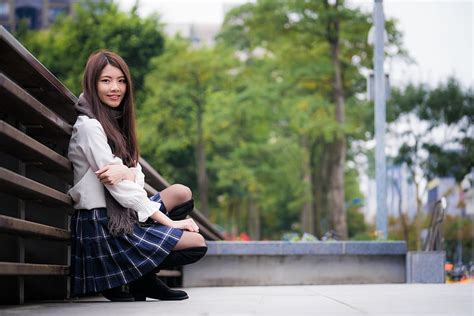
<point>179,88</point>
<point>459,231</point>
<point>64,47</point>
<point>313,45</point>
<point>257,170</point>
<point>356,225</point>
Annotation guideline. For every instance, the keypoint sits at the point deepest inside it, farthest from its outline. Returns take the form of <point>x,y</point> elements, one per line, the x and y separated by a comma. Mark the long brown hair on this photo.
<point>121,137</point>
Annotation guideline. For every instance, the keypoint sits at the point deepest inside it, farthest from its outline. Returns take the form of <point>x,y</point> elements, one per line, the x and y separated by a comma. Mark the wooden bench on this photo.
<point>36,118</point>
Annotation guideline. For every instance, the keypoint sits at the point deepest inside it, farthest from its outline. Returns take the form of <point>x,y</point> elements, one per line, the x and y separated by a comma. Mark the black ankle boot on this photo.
<point>117,295</point>
<point>152,287</point>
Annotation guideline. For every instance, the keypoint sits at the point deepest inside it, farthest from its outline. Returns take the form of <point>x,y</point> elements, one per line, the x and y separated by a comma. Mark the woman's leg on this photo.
<point>175,195</point>
<point>189,249</point>
<point>190,240</point>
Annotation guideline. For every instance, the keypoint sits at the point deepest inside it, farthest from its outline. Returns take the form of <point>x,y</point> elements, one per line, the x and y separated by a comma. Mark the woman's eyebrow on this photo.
<point>107,76</point>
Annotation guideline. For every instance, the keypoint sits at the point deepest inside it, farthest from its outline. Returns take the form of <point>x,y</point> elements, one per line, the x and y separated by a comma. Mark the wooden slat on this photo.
<point>22,67</point>
<point>28,189</point>
<point>200,218</point>
<point>28,110</point>
<point>28,149</point>
<point>152,176</point>
<point>24,269</point>
<point>169,273</point>
<point>209,235</point>
<point>150,190</point>
<point>26,228</point>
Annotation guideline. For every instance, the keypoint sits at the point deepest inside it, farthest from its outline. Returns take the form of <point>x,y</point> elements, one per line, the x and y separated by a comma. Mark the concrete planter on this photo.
<point>425,266</point>
<point>299,263</point>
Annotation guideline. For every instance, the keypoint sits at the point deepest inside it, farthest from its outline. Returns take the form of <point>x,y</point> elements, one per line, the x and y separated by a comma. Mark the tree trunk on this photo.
<point>203,180</point>
<point>234,218</point>
<point>307,218</point>
<point>403,220</point>
<point>419,205</point>
<point>320,187</point>
<point>336,188</point>
<point>253,219</point>
<point>338,148</point>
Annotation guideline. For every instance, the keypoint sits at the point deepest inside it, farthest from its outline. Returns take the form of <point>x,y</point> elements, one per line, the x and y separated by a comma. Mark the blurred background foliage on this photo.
<point>250,123</point>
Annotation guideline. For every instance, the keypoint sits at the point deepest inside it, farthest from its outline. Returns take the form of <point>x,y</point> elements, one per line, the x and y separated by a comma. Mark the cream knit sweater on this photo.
<point>88,152</point>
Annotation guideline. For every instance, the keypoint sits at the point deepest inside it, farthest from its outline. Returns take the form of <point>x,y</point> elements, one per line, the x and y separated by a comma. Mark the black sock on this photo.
<point>163,207</point>
<point>182,210</point>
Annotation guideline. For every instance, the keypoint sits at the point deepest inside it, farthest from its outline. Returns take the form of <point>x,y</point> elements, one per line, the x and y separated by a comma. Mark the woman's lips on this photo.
<point>114,97</point>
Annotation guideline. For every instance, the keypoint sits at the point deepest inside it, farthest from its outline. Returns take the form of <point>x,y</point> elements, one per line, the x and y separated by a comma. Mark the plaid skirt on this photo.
<point>100,261</point>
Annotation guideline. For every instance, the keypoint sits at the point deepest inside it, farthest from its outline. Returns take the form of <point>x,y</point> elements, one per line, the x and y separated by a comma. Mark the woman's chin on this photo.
<point>113,104</point>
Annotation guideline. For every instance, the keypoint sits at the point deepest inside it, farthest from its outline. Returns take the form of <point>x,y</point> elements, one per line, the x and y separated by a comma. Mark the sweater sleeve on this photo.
<point>93,143</point>
<point>139,176</point>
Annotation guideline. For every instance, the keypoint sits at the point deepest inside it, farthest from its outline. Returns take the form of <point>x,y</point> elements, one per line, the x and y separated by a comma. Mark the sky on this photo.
<point>438,34</point>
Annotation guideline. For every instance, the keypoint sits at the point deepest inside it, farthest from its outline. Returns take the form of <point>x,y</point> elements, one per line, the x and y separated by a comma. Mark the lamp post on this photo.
<point>380,118</point>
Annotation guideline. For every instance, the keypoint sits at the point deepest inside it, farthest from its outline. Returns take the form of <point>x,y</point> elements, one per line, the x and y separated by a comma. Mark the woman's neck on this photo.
<point>116,112</point>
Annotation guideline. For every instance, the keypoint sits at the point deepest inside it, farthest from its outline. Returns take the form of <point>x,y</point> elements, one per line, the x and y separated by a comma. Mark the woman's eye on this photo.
<point>105,80</point>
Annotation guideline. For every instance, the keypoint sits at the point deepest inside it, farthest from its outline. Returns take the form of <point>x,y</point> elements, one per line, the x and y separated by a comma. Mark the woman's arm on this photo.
<point>129,194</point>
<point>92,141</point>
<point>113,174</point>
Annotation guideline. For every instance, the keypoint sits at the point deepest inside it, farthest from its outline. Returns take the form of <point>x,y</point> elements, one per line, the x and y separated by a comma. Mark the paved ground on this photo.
<point>347,300</point>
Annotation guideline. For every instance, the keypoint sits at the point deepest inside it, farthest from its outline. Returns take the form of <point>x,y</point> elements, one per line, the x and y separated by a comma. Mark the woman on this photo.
<point>119,236</point>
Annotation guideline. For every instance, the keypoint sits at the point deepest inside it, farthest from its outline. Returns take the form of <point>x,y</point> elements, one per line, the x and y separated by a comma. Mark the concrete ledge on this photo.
<point>278,248</point>
<point>298,263</point>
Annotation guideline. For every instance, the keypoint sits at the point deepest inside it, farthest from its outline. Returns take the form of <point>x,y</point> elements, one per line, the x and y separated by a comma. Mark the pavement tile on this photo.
<point>333,300</point>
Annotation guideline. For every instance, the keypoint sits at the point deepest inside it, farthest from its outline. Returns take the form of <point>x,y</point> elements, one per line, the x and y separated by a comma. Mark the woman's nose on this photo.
<point>114,86</point>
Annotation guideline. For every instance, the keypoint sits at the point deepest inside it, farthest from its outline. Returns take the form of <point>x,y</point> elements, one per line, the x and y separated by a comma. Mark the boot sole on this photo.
<point>139,298</point>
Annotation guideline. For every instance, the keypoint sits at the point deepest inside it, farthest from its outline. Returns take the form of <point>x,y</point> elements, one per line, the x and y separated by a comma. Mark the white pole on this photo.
<point>380,117</point>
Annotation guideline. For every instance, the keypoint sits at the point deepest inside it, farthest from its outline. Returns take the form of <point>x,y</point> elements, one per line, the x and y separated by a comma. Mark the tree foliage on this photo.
<point>437,140</point>
<point>297,38</point>
<point>441,141</point>
<point>65,46</point>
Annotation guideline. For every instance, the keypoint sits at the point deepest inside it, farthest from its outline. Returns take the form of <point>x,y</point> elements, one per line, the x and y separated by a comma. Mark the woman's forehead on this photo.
<point>111,71</point>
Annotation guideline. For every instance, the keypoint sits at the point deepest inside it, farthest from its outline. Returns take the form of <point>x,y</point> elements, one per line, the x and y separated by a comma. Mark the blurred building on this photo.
<point>400,194</point>
<point>401,191</point>
<point>36,14</point>
<point>198,34</point>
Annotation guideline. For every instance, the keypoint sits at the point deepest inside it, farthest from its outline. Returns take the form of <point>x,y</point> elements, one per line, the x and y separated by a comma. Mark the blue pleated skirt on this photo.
<point>100,261</point>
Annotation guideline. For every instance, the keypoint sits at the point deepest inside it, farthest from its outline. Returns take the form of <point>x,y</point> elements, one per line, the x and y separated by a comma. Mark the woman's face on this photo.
<point>111,86</point>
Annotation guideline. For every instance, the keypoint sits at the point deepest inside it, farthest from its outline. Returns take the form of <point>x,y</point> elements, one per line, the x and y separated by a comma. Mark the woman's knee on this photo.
<point>197,240</point>
<point>200,241</point>
<point>175,195</point>
<point>182,192</point>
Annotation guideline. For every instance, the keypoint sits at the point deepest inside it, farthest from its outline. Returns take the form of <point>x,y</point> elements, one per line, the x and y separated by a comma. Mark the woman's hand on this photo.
<point>186,224</point>
<point>113,174</point>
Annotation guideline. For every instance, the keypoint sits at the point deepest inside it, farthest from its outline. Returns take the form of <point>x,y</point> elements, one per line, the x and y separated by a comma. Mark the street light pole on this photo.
<point>380,117</point>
